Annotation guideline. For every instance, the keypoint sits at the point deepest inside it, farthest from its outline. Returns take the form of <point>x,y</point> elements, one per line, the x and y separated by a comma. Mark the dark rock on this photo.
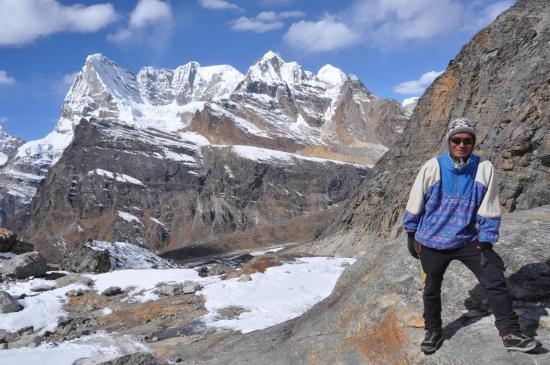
<point>20,247</point>
<point>8,304</point>
<point>7,240</point>
<point>138,358</point>
<point>85,259</point>
<point>25,265</point>
<point>112,290</point>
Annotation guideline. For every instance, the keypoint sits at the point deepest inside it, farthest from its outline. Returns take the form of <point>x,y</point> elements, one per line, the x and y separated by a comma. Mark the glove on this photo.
<point>484,246</point>
<point>412,245</point>
<point>488,255</point>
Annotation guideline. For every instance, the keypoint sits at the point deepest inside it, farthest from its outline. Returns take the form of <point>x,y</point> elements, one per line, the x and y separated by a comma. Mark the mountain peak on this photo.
<point>331,75</point>
<point>270,55</point>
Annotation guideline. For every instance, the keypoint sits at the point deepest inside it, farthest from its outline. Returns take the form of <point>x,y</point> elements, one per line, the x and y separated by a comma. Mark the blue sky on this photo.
<point>396,47</point>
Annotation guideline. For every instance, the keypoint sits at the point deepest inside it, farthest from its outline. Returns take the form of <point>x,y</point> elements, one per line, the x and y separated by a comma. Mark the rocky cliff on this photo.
<point>170,191</point>
<point>12,196</point>
<point>500,79</point>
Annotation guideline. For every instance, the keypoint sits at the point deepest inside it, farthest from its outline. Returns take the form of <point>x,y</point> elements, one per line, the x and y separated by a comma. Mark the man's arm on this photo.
<point>428,174</point>
<point>488,213</point>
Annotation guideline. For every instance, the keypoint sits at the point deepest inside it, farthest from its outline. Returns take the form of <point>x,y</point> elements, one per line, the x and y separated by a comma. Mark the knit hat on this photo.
<point>461,125</point>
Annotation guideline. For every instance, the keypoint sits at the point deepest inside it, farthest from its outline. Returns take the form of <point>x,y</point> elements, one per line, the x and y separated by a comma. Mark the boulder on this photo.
<point>85,259</point>
<point>137,358</point>
<point>7,240</point>
<point>8,304</point>
<point>25,265</point>
<point>20,247</point>
<point>112,290</point>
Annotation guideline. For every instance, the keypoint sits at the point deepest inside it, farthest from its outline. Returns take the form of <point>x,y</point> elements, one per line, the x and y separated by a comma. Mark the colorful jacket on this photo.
<point>450,207</point>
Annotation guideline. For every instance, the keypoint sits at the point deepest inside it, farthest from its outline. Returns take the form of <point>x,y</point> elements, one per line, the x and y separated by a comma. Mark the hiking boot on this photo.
<point>432,341</point>
<point>517,341</point>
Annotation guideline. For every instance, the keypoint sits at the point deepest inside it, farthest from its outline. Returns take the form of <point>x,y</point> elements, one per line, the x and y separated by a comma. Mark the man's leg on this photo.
<point>490,274</point>
<point>434,263</point>
<point>491,278</point>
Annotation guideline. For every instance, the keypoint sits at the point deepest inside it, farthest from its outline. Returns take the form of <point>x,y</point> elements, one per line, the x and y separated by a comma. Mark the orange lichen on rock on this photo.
<point>380,343</point>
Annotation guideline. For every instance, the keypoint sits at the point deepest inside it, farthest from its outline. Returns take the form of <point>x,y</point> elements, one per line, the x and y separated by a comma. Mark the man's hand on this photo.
<point>488,255</point>
<point>484,246</point>
<point>412,245</point>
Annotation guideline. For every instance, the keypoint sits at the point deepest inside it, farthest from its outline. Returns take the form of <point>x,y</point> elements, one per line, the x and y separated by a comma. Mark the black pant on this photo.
<point>489,275</point>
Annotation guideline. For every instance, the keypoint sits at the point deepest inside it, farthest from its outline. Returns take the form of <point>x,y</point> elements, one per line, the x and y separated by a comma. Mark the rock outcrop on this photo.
<point>24,265</point>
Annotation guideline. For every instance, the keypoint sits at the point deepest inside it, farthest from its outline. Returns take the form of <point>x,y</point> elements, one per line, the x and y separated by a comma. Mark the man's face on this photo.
<point>461,145</point>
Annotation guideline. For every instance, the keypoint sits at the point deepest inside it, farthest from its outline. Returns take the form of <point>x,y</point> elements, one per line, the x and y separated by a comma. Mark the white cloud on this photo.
<point>324,35</point>
<point>244,24</point>
<point>5,79</point>
<point>25,20</point>
<point>3,120</point>
<point>417,86</point>
<point>147,14</point>
<point>292,14</point>
<point>385,22</point>
<point>264,21</point>
<point>399,20</point>
<point>68,79</point>
<point>218,4</point>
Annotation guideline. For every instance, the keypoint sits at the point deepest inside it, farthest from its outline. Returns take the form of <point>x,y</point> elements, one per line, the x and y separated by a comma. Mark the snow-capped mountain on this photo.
<point>276,105</point>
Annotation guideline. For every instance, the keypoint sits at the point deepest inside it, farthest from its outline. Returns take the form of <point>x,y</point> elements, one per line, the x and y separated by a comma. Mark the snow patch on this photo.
<point>116,176</point>
<point>100,346</point>
<point>281,293</point>
<point>129,217</point>
<point>3,158</point>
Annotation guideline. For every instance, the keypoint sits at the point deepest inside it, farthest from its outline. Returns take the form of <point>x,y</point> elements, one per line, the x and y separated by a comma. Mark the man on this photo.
<point>453,213</point>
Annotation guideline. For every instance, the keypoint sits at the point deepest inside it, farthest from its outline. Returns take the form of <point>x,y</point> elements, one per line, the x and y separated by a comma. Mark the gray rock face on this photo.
<point>8,304</point>
<point>167,193</point>
<point>25,265</point>
<point>9,197</point>
<point>85,259</point>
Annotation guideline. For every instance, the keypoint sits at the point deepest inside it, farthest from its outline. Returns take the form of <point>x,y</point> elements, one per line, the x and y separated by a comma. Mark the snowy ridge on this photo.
<point>279,157</point>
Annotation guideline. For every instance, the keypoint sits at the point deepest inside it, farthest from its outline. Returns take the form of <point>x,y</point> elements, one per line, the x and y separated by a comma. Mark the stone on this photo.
<point>245,278</point>
<point>169,289</point>
<point>7,240</point>
<point>111,291</point>
<point>138,358</point>
<point>25,265</point>
<point>191,288</point>
<point>42,288</point>
<point>73,279</point>
<point>85,259</point>
<point>8,304</point>
<point>20,247</point>
<point>74,293</point>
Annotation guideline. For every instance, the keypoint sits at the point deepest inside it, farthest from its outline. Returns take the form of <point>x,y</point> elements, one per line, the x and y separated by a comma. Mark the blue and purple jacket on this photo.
<point>450,207</point>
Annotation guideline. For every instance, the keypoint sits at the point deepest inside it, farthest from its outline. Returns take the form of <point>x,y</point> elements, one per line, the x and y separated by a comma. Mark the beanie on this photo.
<point>461,125</point>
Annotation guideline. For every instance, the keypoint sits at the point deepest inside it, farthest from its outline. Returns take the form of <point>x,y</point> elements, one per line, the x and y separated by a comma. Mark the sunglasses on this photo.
<point>466,141</point>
